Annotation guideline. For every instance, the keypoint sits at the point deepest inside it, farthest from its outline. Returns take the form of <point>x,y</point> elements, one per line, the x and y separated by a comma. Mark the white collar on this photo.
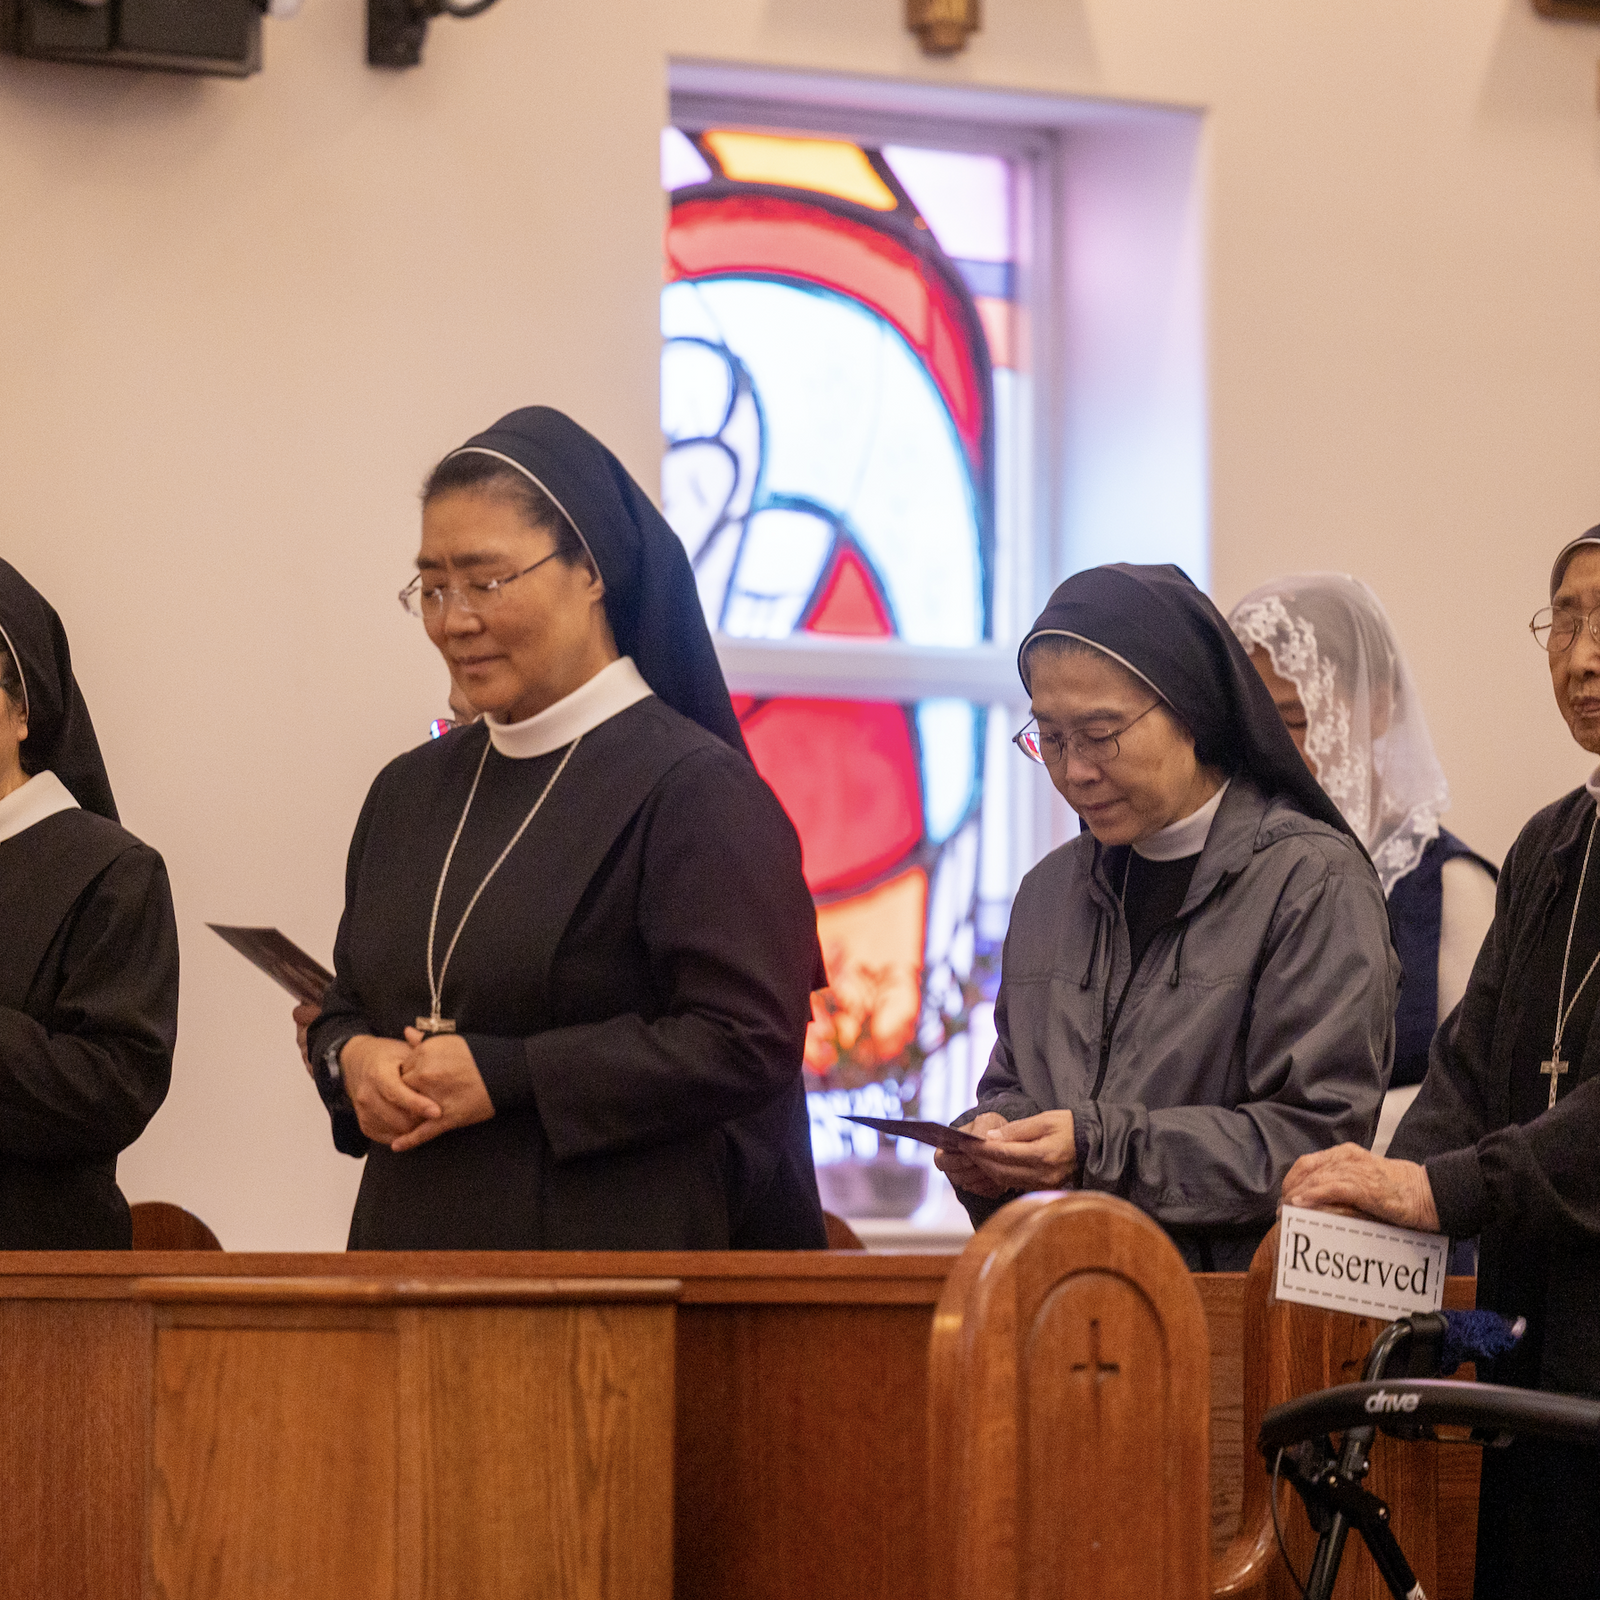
<point>1592,784</point>
<point>41,796</point>
<point>612,689</point>
<point>1185,837</point>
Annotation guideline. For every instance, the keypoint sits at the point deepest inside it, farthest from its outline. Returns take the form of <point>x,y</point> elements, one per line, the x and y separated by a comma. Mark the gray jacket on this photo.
<point>1259,1025</point>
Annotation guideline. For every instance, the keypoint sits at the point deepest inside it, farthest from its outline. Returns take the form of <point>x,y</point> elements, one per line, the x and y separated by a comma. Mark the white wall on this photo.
<point>241,322</point>
<point>242,319</point>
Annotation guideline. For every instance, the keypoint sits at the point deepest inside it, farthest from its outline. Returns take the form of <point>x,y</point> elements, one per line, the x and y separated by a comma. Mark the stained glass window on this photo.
<point>838,327</point>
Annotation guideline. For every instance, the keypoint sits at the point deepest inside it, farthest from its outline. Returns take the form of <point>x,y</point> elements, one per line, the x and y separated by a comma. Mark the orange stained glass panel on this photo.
<point>999,326</point>
<point>828,166</point>
<point>872,944</point>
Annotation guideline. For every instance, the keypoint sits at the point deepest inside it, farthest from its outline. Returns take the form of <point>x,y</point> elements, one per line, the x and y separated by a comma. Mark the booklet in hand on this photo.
<point>934,1133</point>
<point>281,959</point>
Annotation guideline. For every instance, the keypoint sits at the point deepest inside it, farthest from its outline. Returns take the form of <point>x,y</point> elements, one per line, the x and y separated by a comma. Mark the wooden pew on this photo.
<point>801,1396</point>
<point>160,1225</point>
<point>798,1393</point>
<point>1069,1411</point>
<point>1261,1352</point>
<point>1432,1490</point>
<point>236,1438</point>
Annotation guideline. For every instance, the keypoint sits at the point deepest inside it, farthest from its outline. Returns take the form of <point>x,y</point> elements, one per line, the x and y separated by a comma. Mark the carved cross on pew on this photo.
<point>1100,1368</point>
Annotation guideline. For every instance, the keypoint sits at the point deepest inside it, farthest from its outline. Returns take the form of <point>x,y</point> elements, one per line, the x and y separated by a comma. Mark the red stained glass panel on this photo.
<point>849,602</point>
<point>846,772</point>
<point>761,234</point>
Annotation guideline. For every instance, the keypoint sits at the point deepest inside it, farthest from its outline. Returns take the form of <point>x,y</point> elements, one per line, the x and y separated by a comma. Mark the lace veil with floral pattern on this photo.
<point>1366,737</point>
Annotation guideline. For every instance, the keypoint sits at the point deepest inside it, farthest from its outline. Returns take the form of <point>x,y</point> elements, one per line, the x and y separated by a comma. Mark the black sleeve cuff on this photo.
<point>324,1071</point>
<point>348,1139</point>
<point>503,1066</point>
<point>1080,1147</point>
<point>1460,1195</point>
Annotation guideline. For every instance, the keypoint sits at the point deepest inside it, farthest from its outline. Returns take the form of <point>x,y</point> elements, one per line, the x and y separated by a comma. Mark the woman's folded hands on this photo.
<point>406,1092</point>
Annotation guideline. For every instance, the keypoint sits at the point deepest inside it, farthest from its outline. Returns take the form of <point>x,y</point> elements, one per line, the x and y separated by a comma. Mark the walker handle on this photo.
<point>1405,1405</point>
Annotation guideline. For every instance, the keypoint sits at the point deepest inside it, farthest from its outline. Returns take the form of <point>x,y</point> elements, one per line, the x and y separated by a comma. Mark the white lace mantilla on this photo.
<point>1366,738</point>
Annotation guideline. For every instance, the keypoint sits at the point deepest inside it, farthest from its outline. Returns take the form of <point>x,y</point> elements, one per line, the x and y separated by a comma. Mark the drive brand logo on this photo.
<point>1383,1401</point>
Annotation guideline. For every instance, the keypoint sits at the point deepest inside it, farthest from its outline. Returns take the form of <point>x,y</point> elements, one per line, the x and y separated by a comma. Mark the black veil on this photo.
<point>1159,625</point>
<point>60,735</point>
<point>651,599</point>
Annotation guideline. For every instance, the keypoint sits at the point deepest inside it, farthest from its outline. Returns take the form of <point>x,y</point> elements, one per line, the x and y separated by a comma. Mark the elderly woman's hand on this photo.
<point>962,1170</point>
<point>441,1068</point>
<point>1037,1152</point>
<point>1350,1175</point>
<point>385,1105</point>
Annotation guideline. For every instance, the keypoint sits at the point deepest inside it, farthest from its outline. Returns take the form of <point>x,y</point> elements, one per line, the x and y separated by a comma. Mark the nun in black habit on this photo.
<point>573,973</point>
<point>1501,1141</point>
<point>88,954</point>
<point>1200,988</point>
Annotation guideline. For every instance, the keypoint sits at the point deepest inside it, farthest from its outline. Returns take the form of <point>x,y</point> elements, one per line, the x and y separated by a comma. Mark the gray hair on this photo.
<point>1061,646</point>
<point>15,691</point>
<point>11,677</point>
<point>471,472</point>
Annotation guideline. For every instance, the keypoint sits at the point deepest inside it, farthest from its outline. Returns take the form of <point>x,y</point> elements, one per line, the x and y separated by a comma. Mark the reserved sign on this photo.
<point>1369,1269</point>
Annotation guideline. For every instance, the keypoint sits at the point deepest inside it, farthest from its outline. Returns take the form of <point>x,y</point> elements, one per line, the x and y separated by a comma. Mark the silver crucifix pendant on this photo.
<point>445,1025</point>
<point>1553,1069</point>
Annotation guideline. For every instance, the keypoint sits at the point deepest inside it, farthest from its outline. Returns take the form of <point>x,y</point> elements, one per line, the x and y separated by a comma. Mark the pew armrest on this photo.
<point>1244,1567</point>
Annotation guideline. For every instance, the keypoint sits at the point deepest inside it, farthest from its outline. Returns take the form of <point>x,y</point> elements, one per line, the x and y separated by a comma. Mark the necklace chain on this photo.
<point>436,986</point>
<point>1563,1009</point>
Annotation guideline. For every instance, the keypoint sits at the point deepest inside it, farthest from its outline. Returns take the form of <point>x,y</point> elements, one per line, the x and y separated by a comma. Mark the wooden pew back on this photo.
<point>1431,1489</point>
<point>1069,1411</point>
<point>801,1437</point>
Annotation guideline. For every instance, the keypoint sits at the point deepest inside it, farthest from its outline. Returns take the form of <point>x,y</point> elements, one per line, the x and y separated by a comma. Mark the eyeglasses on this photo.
<point>429,604</point>
<point>1557,627</point>
<point>1050,749</point>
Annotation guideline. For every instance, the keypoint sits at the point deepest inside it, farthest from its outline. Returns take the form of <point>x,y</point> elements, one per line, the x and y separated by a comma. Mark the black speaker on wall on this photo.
<point>221,38</point>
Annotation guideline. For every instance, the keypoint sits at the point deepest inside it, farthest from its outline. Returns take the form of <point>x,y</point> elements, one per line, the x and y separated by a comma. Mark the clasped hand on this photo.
<point>1349,1177</point>
<point>1038,1152</point>
<point>408,1092</point>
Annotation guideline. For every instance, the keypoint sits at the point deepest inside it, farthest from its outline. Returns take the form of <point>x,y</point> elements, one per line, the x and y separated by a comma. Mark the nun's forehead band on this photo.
<point>16,660</point>
<point>1094,644</point>
<point>542,487</point>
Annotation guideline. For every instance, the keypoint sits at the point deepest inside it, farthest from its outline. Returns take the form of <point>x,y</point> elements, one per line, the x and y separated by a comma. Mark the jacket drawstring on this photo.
<point>1183,929</point>
<point>1177,955</point>
<point>1094,949</point>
